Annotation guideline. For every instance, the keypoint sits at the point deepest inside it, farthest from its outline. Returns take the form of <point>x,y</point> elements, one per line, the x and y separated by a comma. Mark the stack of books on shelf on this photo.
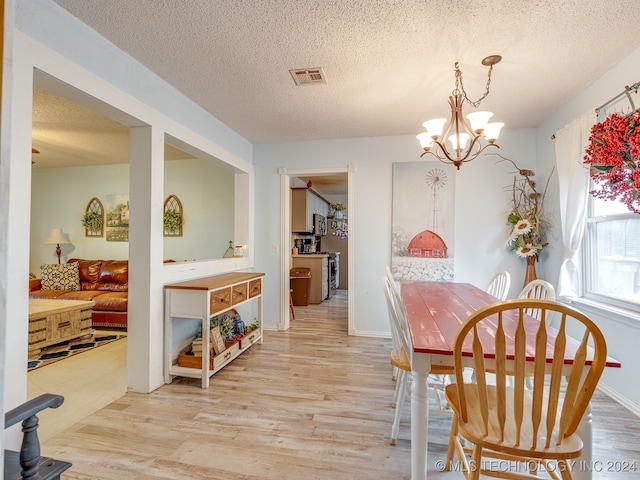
<point>196,346</point>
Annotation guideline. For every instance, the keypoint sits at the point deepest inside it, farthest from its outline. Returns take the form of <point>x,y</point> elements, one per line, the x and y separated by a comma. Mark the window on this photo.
<point>612,254</point>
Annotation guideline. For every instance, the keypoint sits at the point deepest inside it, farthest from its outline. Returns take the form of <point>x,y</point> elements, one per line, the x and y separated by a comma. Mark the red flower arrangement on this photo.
<point>614,156</point>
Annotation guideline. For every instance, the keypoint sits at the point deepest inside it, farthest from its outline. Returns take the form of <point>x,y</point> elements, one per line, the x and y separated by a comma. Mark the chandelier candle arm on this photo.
<point>459,132</point>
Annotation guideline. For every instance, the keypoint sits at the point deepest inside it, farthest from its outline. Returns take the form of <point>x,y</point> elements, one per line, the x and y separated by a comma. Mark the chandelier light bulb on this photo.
<point>479,120</point>
<point>492,131</point>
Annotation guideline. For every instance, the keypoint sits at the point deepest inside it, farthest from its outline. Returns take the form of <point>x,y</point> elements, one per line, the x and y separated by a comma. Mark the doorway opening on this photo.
<point>317,236</point>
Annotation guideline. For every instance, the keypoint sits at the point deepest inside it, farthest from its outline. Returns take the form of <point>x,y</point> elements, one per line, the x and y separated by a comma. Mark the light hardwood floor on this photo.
<point>310,403</point>
<point>88,382</point>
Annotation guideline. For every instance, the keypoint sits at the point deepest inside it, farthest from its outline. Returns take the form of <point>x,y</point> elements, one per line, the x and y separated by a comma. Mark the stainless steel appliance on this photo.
<point>334,271</point>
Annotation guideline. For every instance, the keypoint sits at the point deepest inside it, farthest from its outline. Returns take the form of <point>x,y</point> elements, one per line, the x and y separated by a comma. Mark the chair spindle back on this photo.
<point>557,404</point>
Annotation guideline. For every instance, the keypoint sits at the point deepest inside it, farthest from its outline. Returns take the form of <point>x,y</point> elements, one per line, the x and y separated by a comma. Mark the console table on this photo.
<point>201,299</point>
<point>55,321</point>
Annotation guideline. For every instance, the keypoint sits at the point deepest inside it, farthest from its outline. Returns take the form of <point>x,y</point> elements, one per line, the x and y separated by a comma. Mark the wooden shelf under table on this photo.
<point>200,299</point>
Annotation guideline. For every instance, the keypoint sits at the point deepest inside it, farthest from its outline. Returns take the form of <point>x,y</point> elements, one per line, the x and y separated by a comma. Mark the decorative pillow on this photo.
<point>65,276</point>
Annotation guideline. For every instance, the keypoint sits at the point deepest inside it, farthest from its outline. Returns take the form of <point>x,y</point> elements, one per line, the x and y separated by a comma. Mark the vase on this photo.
<point>530,272</point>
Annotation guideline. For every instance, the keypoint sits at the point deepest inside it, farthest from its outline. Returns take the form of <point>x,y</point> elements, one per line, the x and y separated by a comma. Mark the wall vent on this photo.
<point>307,76</point>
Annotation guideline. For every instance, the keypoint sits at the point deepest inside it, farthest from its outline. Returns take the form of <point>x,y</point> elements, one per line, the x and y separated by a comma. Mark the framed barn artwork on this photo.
<point>423,221</point>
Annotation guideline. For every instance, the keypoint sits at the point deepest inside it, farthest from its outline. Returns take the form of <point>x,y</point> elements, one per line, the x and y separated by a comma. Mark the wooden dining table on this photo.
<point>435,312</point>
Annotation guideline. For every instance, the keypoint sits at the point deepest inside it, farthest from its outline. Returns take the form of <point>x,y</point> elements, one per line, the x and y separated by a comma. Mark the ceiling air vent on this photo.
<point>307,76</point>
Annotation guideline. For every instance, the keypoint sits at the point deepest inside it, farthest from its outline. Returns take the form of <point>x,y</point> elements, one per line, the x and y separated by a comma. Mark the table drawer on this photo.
<point>219,300</point>
<point>239,293</point>
<point>249,339</point>
<point>65,324</point>
<point>255,287</point>
<point>225,356</point>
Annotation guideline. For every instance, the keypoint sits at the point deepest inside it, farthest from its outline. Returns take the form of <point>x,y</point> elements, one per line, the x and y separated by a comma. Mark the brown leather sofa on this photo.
<point>104,282</point>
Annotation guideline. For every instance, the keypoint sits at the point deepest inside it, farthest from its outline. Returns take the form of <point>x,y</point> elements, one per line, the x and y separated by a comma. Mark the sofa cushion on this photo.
<point>65,276</point>
<point>112,287</point>
<point>86,295</point>
<point>35,284</point>
<point>114,271</point>
<point>111,301</point>
<point>47,294</point>
<point>89,269</point>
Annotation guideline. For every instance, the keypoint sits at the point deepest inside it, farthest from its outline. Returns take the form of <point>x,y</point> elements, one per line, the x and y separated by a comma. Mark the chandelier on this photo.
<point>466,139</point>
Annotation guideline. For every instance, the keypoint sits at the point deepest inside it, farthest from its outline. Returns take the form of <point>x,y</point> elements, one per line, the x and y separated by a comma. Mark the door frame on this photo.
<point>285,235</point>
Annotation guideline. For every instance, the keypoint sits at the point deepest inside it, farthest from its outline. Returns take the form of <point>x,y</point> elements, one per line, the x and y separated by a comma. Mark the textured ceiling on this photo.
<point>388,63</point>
<point>67,134</point>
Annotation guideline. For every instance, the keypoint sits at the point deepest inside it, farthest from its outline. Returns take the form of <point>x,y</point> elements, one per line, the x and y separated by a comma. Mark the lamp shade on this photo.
<point>425,140</point>
<point>462,138</point>
<point>56,237</point>
<point>434,127</point>
<point>492,130</point>
<point>479,120</point>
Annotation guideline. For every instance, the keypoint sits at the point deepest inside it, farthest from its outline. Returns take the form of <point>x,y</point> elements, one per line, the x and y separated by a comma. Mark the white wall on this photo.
<point>59,198</point>
<point>49,24</point>
<point>482,201</point>
<point>47,38</point>
<point>621,329</point>
<point>207,197</point>
<point>206,194</point>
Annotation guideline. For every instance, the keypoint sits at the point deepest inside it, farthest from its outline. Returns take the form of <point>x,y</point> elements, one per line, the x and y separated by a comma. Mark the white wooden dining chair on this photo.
<point>435,380</point>
<point>513,424</point>
<point>499,285</point>
<point>398,300</point>
<point>538,290</point>
<point>400,357</point>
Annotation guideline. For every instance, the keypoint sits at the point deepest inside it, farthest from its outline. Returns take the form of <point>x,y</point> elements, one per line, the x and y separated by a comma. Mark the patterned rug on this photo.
<point>63,350</point>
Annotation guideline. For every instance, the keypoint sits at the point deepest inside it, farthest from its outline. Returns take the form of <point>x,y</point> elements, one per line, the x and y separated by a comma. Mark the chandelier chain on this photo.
<point>460,86</point>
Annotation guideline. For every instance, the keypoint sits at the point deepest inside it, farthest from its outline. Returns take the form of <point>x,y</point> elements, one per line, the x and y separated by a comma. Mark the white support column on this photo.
<point>145,318</point>
<point>15,218</point>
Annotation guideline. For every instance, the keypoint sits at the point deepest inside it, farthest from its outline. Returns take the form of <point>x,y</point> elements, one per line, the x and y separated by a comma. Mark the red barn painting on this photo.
<point>427,244</point>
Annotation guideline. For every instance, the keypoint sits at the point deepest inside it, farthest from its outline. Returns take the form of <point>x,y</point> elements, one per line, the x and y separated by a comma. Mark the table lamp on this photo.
<point>56,237</point>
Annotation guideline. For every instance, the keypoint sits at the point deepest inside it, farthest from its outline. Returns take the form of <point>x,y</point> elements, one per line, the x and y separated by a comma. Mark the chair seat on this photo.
<point>473,430</point>
<point>402,362</point>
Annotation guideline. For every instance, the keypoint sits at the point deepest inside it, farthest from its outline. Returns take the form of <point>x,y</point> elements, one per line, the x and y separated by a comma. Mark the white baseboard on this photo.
<point>368,333</point>
<point>622,400</point>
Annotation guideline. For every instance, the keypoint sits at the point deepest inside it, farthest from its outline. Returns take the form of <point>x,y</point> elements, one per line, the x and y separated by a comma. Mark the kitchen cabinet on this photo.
<point>304,203</point>
<point>319,265</point>
<point>201,299</point>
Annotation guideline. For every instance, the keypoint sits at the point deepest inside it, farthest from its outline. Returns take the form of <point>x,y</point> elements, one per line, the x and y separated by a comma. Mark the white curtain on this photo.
<point>573,178</point>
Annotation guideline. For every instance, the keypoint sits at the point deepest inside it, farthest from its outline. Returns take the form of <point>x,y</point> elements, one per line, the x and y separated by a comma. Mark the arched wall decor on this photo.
<point>172,217</point>
<point>93,219</point>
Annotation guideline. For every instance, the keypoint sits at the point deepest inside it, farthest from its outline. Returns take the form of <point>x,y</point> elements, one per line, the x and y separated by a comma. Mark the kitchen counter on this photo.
<point>318,263</point>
